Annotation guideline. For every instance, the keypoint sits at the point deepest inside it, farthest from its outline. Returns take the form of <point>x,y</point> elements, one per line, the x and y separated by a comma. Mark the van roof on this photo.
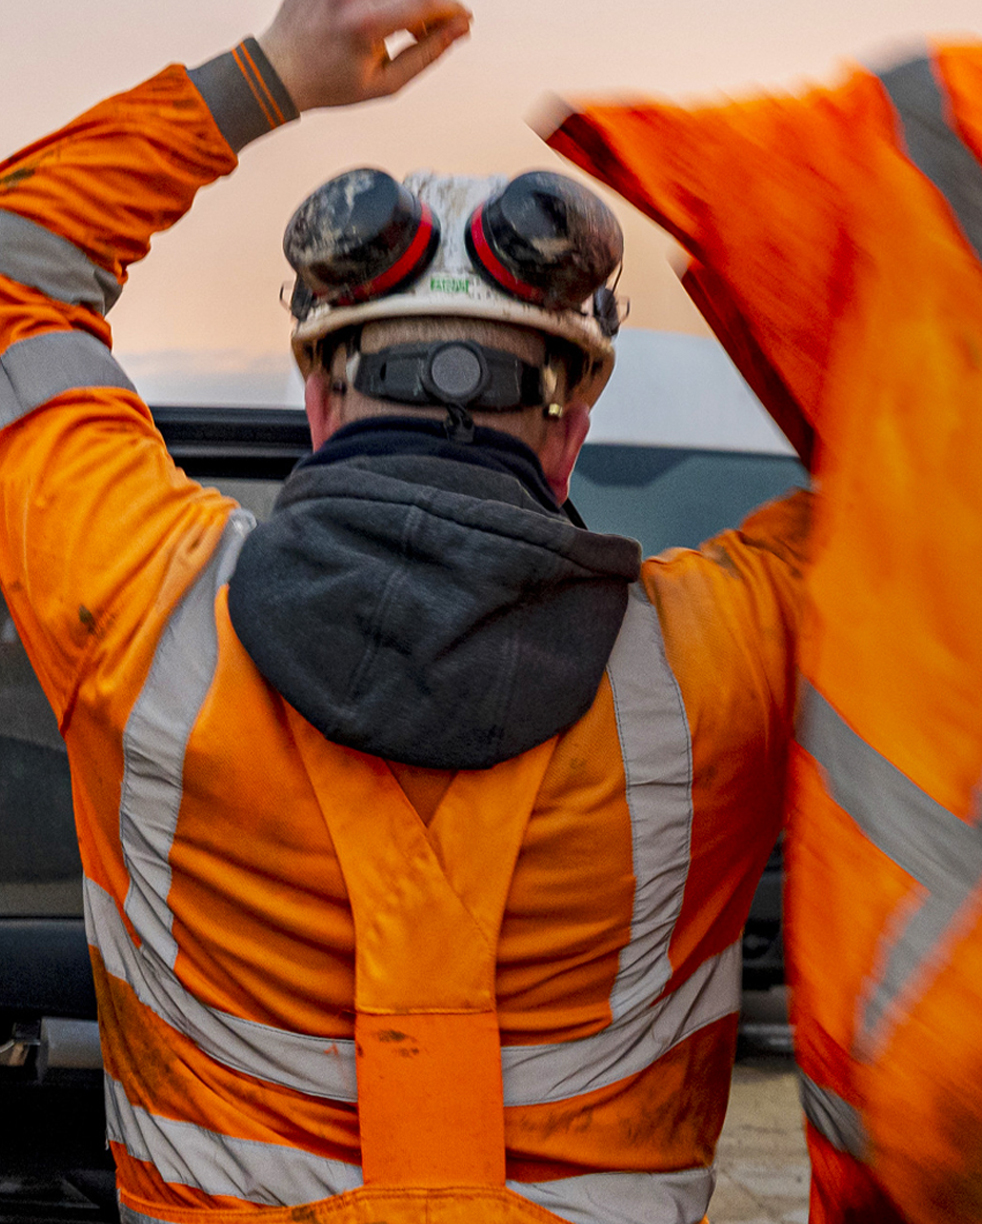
<point>675,390</point>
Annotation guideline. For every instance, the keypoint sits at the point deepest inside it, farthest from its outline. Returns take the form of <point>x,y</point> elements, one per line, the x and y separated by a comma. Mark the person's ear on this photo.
<point>317,401</point>
<point>324,393</point>
<point>565,436</point>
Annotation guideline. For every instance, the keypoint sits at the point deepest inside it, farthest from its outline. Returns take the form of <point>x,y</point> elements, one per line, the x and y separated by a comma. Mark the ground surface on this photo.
<point>761,1160</point>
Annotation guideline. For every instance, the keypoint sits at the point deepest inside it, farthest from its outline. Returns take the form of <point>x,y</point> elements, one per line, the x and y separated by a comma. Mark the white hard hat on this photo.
<point>535,251</point>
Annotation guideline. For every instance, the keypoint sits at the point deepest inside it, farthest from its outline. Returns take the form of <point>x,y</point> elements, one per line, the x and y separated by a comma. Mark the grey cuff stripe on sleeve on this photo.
<point>34,256</point>
<point>934,146</point>
<point>243,93</point>
<point>35,370</point>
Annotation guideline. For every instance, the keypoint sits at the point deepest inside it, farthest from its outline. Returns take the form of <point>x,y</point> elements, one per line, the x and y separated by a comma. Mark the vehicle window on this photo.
<point>40,871</point>
<point>675,498</point>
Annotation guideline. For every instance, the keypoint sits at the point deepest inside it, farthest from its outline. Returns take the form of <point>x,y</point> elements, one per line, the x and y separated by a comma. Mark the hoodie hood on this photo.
<point>419,599</point>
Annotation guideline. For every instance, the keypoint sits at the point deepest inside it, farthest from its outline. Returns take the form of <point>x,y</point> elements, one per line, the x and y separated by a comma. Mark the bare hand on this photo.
<point>332,52</point>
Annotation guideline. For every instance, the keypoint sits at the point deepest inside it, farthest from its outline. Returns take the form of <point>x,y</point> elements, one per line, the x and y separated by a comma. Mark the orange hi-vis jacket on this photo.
<point>837,241</point>
<point>333,986</point>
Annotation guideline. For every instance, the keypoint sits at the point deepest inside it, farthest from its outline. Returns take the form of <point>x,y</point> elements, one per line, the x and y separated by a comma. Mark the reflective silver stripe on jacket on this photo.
<point>317,1066</point>
<point>276,1175</point>
<point>35,370</point>
<point>935,847</point>
<point>156,736</point>
<point>654,737</point>
<point>325,1067</point>
<point>273,1174</point>
<point>832,1117</point>
<point>534,1075</point>
<point>934,146</point>
<point>680,1197</point>
<point>34,256</point>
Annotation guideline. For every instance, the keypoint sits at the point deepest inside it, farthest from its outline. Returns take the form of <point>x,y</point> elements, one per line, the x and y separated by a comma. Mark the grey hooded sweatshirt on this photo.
<point>426,600</point>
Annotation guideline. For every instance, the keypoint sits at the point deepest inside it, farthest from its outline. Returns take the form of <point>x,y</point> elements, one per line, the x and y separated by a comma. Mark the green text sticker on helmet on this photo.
<point>450,284</point>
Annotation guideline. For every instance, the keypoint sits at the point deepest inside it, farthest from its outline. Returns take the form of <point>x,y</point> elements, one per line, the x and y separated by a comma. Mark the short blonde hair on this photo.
<point>529,345</point>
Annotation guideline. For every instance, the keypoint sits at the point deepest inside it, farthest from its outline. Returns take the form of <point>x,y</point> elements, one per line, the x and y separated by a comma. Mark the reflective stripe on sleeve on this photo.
<point>155,738</point>
<point>654,737</point>
<point>835,1119</point>
<point>271,1174</point>
<point>34,256</point>
<point>935,847</point>
<point>35,370</point>
<point>934,146</point>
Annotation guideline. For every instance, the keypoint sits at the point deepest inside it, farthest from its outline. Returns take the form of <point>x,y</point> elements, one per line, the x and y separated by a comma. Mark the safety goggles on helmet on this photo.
<point>536,252</point>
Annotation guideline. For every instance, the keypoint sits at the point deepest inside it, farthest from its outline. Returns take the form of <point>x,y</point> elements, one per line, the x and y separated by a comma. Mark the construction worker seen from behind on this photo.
<point>419,824</point>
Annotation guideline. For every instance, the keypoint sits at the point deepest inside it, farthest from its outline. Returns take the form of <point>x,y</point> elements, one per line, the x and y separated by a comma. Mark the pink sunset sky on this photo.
<point>206,302</point>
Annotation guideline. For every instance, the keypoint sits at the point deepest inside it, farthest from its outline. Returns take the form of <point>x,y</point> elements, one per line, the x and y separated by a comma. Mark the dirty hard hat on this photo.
<point>535,251</point>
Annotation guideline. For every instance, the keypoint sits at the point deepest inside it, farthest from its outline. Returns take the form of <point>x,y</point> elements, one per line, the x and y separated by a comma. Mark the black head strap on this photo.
<point>462,373</point>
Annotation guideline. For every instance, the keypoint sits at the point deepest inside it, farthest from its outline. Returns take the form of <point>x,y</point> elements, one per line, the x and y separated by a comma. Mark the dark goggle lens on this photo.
<point>545,239</point>
<point>357,237</point>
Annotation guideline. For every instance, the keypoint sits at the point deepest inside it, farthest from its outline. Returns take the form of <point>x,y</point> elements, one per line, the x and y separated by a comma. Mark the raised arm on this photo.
<point>786,201</point>
<point>96,524</point>
<point>839,240</point>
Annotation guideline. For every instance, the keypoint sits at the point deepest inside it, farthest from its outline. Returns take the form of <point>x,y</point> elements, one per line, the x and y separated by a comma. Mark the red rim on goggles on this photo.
<point>542,239</point>
<point>545,239</point>
<point>359,236</point>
